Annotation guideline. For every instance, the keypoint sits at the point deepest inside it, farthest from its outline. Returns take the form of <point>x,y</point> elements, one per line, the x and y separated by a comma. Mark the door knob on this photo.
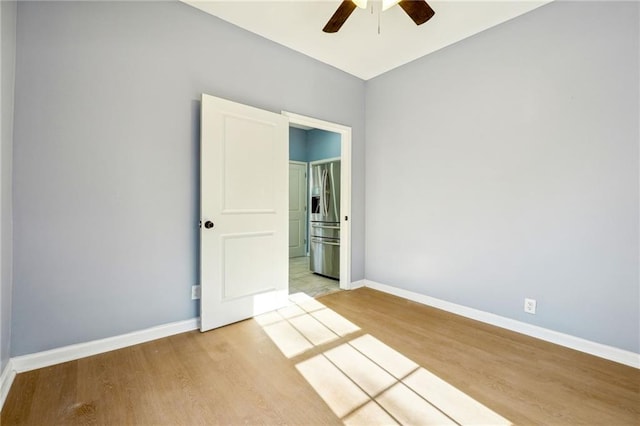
<point>208,224</point>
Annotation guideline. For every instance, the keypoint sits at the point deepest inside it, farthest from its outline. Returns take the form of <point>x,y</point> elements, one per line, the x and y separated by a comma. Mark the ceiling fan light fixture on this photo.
<point>362,4</point>
<point>386,4</point>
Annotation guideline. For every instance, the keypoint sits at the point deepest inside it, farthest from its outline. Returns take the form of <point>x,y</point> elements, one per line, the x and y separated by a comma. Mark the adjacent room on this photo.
<point>314,210</point>
<point>320,212</point>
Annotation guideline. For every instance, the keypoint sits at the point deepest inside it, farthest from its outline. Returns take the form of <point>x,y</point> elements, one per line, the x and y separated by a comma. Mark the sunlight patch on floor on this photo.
<point>398,365</point>
<point>335,322</point>
<point>457,404</point>
<point>289,340</point>
<point>309,304</point>
<point>370,414</point>
<point>410,409</point>
<point>339,392</point>
<point>303,325</point>
<point>368,375</point>
<point>362,380</point>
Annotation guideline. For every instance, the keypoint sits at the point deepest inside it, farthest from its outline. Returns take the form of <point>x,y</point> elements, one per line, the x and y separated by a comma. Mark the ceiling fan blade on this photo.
<point>418,10</point>
<point>340,16</point>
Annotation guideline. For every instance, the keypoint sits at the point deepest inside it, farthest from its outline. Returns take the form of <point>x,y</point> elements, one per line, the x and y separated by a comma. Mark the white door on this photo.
<point>297,209</point>
<point>243,189</point>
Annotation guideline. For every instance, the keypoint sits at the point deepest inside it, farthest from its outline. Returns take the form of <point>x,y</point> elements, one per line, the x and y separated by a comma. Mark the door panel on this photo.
<point>240,280</point>
<point>243,257</point>
<point>297,209</point>
<point>247,151</point>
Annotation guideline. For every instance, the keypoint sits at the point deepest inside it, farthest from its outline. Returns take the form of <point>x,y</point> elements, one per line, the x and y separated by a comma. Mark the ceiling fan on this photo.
<point>418,10</point>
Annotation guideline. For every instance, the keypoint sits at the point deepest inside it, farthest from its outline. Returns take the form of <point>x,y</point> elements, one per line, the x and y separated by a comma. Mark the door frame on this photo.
<point>345,187</point>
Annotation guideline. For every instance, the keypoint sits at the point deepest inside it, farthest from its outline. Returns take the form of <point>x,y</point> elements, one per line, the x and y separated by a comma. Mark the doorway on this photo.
<point>338,151</point>
<point>244,206</point>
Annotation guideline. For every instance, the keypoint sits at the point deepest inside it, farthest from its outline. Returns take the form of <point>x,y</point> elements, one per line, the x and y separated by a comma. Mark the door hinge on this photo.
<point>200,224</point>
<point>346,218</point>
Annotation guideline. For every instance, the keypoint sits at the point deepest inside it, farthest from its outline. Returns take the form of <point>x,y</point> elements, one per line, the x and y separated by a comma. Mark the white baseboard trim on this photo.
<point>611,353</point>
<point>357,284</point>
<point>6,380</point>
<point>72,352</point>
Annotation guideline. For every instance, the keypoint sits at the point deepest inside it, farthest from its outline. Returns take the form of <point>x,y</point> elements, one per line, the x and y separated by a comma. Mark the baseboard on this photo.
<point>6,380</point>
<point>72,352</point>
<point>357,284</point>
<point>621,356</point>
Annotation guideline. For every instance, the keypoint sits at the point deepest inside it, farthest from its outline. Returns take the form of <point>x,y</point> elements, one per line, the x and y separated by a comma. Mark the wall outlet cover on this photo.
<point>530,306</point>
<point>195,292</point>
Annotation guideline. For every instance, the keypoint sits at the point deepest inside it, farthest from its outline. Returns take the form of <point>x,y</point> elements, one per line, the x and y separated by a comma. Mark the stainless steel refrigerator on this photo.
<point>325,219</point>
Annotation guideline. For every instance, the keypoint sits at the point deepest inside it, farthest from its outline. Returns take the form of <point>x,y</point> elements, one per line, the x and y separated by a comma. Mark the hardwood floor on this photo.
<point>526,380</point>
<point>257,372</point>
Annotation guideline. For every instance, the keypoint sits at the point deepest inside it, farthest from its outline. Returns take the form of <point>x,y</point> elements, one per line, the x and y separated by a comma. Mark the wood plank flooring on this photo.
<point>237,374</point>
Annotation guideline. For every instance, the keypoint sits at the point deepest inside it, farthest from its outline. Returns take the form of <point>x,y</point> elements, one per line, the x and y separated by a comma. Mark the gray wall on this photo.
<point>106,157</point>
<point>7,74</point>
<point>506,166</point>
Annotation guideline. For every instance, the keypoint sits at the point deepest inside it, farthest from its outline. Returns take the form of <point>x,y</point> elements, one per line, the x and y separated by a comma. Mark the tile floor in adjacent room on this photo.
<point>301,279</point>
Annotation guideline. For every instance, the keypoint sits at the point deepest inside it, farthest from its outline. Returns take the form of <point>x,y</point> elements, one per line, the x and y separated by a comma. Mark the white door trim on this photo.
<point>345,187</point>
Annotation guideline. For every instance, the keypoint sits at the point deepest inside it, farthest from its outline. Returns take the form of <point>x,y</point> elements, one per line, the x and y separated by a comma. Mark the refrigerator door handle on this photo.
<point>325,226</point>
<point>322,201</point>
<point>325,192</point>
<point>330,243</point>
<point>336,213</point>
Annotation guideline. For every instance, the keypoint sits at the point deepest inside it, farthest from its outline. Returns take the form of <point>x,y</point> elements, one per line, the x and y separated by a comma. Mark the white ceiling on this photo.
<point>358,48</point>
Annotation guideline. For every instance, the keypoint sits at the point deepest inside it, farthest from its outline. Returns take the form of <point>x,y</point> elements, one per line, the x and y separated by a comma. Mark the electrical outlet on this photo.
<point>195,292</point>
<point>530,306</point>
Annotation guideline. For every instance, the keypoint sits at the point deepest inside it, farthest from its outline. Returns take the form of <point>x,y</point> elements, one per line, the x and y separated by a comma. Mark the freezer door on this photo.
<point>325,257</point>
